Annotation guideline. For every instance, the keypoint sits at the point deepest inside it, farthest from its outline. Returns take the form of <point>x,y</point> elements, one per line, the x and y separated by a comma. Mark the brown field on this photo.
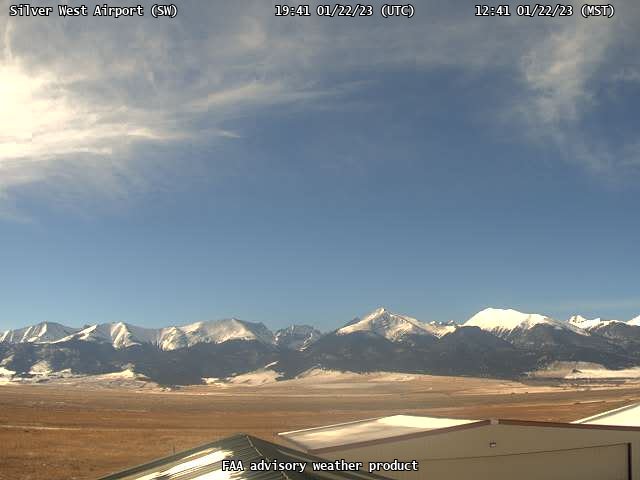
<point>77,431</point>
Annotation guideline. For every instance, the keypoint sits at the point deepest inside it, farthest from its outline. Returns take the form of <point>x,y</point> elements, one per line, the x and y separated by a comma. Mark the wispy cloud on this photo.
<point>557,69</point>
<point>41,119</point>
<point>256,94</point>
<point>93,89</point>
<point>83,110</point>
<point>565,73</point>
<point>627,74</point>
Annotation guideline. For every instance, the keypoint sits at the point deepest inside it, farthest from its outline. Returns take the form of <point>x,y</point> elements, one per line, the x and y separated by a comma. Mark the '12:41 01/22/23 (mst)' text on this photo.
<point>544,10</point>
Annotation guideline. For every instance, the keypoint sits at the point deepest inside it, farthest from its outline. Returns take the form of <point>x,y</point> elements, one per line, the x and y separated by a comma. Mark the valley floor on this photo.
<point>83,431</point>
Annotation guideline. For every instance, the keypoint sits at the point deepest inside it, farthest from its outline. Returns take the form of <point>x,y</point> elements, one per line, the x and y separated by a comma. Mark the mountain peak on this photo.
<point>219,331</point>
<point>596,323</point>
<point>378,312</point>
<point>634,321</point>
<point>123,335</point>
<point>41,332</point>
<point>390,325</point>
<point>505,321</point>
<point>583,322</point>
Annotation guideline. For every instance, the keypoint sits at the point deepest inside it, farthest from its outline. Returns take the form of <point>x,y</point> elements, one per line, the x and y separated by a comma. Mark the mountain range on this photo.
<point>501,343</point>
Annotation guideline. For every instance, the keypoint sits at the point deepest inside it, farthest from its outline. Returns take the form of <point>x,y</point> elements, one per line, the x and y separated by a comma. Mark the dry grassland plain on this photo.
<point>79,431</point>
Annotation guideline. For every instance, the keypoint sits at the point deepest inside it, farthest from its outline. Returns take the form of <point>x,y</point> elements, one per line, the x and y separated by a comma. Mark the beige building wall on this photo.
<point>510,451</point>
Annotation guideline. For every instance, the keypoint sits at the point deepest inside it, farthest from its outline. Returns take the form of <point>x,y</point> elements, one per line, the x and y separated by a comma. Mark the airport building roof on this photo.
<point>205,463</point>
<point>361,433</point>
<point>628,416</point>
<point>395,426</point>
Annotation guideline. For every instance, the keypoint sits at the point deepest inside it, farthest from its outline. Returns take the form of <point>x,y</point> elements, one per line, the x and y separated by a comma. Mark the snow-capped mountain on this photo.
<point>625,334</point>
<point>122,335</point>
<point>218,331</point>
<point>494,342</point>
<point>297,337</point>
<point>548,338</point>
<point>393,327</point>
<point>634,321</point>
<point>505,322</point>
<point>584,323</point>
<point>40,333</point>
<point>119,335</point>
<point>590,323</point>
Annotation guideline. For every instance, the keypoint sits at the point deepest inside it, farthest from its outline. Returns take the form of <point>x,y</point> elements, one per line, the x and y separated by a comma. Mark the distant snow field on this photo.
<point>584,371</point>
<point>258,377</point>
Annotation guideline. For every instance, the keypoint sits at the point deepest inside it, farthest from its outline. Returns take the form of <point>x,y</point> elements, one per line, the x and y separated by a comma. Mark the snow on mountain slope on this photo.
<point>172,338</point>
<point>590,324</point>
<point>440,329</point>
<point>391,326</point>
<point>41,369</point>
<point>297,337</point>
<point>122,335</point>
<point>635,321</point>
<point>119,335</point>
<point>41,333</point>
<point>217,331</point>
<point>258,377</point>
<point>505,321</point>
<point>584,323</point>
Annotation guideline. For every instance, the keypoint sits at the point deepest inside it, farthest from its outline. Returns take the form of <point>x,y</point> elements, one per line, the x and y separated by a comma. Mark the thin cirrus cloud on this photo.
<point>44,127</point>
<point>557,70</point>
<point>566,74</point>
<point>95,88</point>
<point>41,120</point>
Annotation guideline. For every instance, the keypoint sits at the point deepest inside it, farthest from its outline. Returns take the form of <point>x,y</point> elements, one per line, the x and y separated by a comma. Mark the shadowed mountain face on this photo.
<point>297,337</point>
<point>494,343</point>
<point>177,367</point>
<point>466,351</point>
<point>624,335</point>
<point>570,346</point>
<point>472,351</point>
<point>357,352</point>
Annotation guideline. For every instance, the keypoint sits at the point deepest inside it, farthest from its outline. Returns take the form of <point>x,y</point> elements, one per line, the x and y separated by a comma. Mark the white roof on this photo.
<point>367,430</point>
<point>628,416</point>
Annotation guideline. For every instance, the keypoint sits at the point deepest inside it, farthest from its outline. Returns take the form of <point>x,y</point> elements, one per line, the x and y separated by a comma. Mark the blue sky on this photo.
<point>231,163</point>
